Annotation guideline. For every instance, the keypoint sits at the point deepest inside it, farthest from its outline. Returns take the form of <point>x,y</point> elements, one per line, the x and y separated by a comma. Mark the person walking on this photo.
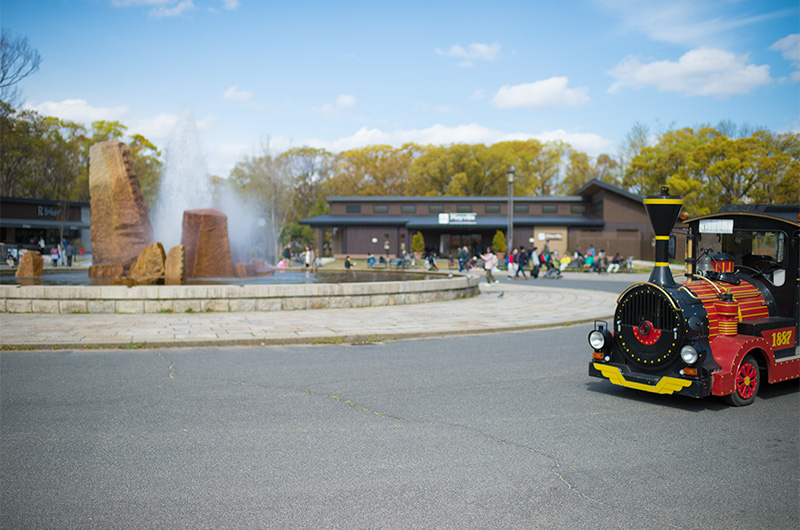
<point>535,262</point>
<point>489,263</point>
<point>521,260</point>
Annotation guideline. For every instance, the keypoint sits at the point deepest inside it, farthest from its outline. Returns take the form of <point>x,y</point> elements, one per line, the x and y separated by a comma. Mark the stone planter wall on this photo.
<point>229,298</point>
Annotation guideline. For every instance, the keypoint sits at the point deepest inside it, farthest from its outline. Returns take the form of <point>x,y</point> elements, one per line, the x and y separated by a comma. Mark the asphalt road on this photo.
<point>485,431</point>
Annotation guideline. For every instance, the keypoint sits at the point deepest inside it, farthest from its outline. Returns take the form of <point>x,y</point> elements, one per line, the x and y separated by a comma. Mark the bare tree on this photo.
<point>18,60</point>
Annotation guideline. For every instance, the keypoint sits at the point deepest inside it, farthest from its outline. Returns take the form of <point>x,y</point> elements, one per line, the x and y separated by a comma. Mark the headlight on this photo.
<point>597,340</point>
<point>689,354</point>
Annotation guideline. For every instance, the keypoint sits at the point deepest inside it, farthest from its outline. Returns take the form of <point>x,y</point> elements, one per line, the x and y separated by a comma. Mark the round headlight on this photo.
<point>597,340</point>
<point>689,354</point>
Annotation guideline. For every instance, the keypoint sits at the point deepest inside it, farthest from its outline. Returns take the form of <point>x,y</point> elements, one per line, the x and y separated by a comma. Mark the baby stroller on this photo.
<point>553,272</point>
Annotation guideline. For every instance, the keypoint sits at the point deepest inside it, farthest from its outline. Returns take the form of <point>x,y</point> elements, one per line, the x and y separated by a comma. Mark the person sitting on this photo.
<point>370,260</point>
<point>348,264</point>
<point>616,261</point>
<point>432,262</point>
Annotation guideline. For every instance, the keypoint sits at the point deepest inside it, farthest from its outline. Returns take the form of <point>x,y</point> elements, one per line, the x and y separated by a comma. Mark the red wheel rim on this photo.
<point>746,380</point>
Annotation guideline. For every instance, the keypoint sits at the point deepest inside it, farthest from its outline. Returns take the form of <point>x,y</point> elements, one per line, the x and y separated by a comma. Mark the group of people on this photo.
<point>599,261</point>
<point>307,256</point>
<point>521,258</point>
<point>62,253</point>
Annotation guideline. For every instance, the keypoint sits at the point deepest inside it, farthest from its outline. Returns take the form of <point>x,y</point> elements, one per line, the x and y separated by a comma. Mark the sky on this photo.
<point>260,74</point>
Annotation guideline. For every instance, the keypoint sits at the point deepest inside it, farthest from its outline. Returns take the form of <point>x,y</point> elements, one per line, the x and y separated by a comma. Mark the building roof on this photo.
<point>432,221</point>
<point>449,199</point>
<point>595,185</point>
<point>788,213</point>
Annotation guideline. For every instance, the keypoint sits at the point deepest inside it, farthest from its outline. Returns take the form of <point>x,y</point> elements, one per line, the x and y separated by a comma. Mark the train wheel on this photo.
<point>748,380</point>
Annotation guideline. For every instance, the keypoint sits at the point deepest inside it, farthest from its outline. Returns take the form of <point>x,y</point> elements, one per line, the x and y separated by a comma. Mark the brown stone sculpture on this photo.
<point>120,224</point>
<point>148,269</point>
<point>206,243</point>
<point>175,273</point>
<point>107,271</point>
<point>31,265</point>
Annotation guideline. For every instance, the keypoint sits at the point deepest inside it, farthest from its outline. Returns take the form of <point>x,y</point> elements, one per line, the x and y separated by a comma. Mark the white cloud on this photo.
<point>478,94</point>
<point>548,93</point>
<point>472,133</point>
<point>242,97</point>
<point>230,4</point>
<point>337,109</point>
<point>238,96</point>
<point>79,111</point>
<point>700,72</point>
<point>475,51</point>
<point>686,22</point>
<point>345,101</point>
<point>162,8</point>
<point>789,48</point>
<point>175,10</point>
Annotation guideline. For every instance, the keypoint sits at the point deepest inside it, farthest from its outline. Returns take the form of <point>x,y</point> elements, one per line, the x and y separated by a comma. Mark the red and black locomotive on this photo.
<point>730,325</point>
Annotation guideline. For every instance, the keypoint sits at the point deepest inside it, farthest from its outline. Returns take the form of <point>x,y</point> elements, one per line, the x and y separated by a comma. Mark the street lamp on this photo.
<point>510,174</point>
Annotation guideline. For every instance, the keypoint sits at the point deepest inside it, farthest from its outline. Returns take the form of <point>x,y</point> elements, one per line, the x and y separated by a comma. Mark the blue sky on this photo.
<point>347,74</point>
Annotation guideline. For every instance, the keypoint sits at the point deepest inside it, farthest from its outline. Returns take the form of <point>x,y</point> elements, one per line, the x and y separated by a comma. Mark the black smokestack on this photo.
<point>663,211</point>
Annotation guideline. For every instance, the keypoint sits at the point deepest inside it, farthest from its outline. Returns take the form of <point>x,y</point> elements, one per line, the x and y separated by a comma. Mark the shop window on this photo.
<point>464,208</point>
<point>408,208</point>
<point>578,208</point>
<point>520,208</point>
<point>435,208</point>
<point>380,208</point>
<point>353,208</point>
<point>492,208</point>
<point>549,208</point>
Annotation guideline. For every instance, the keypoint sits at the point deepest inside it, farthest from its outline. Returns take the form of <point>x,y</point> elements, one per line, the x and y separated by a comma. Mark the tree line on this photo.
<point>48,158</point>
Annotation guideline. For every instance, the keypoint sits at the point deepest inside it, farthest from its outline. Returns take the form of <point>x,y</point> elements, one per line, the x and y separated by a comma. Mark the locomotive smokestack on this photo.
<point>663,211</point>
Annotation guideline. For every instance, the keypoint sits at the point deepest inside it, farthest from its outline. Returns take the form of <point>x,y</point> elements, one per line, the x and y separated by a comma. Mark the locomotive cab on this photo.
<point>730,324</point>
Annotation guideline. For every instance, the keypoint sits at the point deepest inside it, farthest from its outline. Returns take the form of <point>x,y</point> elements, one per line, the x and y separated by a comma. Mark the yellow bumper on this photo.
<point>665,385</point>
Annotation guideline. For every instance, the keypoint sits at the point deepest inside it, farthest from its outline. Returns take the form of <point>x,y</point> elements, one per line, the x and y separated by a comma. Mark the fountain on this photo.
<point>129,251</point>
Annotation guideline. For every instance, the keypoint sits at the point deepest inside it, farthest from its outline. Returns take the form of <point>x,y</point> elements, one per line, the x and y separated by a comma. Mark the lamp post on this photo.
<point>510,174</point>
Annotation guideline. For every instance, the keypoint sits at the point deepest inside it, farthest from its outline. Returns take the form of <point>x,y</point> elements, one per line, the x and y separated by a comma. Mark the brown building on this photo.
<point>23,222</point>
<point>599,214</point>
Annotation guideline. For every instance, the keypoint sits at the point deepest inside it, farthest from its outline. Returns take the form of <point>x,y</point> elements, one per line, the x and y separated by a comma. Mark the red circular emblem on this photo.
<point>646,333</point>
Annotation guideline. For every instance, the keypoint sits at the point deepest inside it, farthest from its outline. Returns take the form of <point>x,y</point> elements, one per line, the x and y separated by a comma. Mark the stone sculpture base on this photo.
<point>206,244</point>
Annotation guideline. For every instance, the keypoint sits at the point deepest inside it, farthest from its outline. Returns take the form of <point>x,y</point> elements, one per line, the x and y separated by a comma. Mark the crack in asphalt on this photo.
<point>556,462</point>
<point>555,470</point>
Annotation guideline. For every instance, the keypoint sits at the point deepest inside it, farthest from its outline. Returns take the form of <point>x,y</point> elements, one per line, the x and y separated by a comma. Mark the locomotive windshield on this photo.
<point>760,252</point>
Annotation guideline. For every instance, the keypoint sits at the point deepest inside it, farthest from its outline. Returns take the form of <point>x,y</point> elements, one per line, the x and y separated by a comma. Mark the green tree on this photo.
<point>709,169</point>
<point>265,184</point>
<point>417,243</point>
<point>499,242</point>
<point>310,168</point>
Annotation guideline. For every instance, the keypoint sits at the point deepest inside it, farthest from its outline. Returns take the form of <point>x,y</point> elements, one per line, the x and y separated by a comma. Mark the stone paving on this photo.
<point>507,306</point>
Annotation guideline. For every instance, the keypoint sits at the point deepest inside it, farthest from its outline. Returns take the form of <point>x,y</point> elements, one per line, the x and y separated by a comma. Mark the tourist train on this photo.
<point>730,325</point>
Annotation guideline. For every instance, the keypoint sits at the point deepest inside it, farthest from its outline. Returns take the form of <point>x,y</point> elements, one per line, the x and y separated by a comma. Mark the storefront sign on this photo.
<point>548,237</point>
<point>458,218</point>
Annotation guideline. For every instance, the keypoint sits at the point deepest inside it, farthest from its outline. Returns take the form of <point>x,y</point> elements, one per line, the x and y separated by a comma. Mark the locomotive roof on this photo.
<point>787,213</point>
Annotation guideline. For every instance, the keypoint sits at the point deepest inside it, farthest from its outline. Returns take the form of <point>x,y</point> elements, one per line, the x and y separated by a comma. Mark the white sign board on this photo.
<point>457,218</point>
<point>716,226</point>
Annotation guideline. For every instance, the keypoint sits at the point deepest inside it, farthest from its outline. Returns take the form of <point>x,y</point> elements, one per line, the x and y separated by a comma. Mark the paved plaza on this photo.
<point>505,306</point>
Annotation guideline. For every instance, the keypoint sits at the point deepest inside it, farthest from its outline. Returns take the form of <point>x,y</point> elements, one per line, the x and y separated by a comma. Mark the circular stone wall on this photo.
<point>226,298</point>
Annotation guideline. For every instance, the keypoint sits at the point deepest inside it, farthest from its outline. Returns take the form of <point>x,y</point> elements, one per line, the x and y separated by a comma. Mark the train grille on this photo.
<point>648,326</point>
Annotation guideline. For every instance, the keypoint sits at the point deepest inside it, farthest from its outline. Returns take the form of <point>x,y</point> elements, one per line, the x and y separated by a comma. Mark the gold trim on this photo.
<point>684,288</point>
<point>664,200</point>
<point>665,385</point>
<point>709,281</point>
<point>662,238</point>
<point>649,284</point>
<point>748,214</point>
